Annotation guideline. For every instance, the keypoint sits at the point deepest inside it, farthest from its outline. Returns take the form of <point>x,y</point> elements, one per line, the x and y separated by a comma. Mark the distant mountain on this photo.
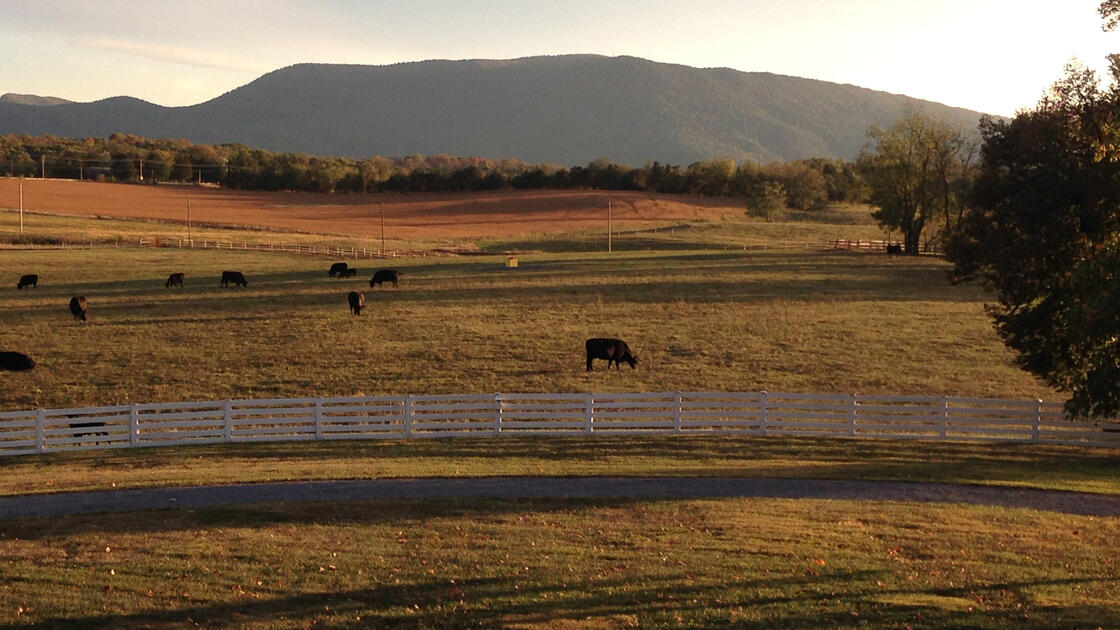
<point>564,110</point>
<point>31,99</point>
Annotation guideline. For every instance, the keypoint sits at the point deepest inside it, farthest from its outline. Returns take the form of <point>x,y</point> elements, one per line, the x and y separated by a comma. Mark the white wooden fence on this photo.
<point>318,250</point>
<point>399,417</point>
<point>875,245</point>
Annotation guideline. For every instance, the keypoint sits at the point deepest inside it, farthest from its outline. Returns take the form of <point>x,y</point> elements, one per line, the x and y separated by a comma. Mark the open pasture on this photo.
<point>775,320</point>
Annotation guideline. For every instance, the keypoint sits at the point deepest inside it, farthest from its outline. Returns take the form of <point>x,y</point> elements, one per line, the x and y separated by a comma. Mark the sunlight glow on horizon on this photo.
<point>992,56</point>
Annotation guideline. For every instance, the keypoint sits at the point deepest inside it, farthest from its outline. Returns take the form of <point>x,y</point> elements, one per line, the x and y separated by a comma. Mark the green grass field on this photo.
<point>730,305</point>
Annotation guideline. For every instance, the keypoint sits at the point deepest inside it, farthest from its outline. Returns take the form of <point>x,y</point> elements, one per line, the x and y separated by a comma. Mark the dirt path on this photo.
<point>60,504</point>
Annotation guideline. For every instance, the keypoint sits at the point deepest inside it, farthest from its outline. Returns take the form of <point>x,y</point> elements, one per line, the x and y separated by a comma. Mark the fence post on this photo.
<point>1037,420</point>
<point>229,421</point>
<point>497,414</point>
<point>677,414</point>
<point>318,418</point>
<point>589,413</point>
<point>762,413</point>
<point>853,402</point>
<point>945,417</point>
<point>40,439</point>
<point>408,416</point>
<point>133,425</point>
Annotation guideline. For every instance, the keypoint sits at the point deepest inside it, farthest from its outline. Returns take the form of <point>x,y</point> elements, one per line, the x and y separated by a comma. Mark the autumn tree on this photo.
<point>805,186</point>
<point>914,174</point>
<point>1045,236</point>
<point>767,200</point>
<point>711,177</point>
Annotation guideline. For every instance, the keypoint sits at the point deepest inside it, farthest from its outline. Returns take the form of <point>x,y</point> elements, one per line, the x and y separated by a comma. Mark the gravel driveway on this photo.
<point>64,503</point>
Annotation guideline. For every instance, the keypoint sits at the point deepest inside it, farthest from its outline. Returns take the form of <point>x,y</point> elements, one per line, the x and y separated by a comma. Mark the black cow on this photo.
<point>337,269</point>
<point>15,361</point>
<point>357,302</point>
<point>236,278</point>
<point>82,429</point>
<point>174,280</point>
<point>894,250</point>
<point>384,275</point>
<point>30,280</point>
<point>613,350</point>
<point>348,273</point>
<point>78,306</point>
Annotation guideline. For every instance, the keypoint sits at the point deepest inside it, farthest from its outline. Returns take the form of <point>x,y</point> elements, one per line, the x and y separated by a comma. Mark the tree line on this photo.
<point>800,184</point>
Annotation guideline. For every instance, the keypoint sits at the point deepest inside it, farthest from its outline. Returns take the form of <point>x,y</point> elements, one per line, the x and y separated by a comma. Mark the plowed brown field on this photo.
<point>409,216</point>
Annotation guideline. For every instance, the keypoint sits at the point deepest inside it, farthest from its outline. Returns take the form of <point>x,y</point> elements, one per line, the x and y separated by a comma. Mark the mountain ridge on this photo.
<point>32,99</point>
<point>563,109</point>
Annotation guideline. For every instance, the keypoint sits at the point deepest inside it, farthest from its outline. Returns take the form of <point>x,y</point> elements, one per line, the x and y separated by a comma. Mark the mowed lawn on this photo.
<point>542,564</point>
<point>775,320</point>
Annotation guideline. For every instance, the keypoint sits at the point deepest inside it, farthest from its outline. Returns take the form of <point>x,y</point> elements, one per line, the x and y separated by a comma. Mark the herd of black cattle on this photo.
<point>611,350</point>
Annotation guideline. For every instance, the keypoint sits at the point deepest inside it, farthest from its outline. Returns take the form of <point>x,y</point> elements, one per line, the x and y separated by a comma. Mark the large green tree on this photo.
<point>1044,234</point>
<point>914,174</point>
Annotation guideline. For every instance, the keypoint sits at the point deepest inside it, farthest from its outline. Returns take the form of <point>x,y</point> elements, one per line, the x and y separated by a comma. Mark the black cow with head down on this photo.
<point>337,269</point>
<point>78,307</point>
<point>174,280</point>
<point>29,280</point>
<point>384,275</point>
<point>236,278</point>
<point>613,350</point>
<point>357,302</point>
<point>15,361</point>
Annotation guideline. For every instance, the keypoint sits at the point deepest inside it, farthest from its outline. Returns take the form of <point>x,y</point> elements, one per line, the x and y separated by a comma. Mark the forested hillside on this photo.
<point>555,110</point>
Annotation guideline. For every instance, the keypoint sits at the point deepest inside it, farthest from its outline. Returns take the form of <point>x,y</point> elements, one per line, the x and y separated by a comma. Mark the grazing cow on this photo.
<point>30,280</point>
<point>613,350</point>
<point>894,250</point>
<point>348,273</point>
<point>337,269</point>
<point>236,278</point>
<point>82,429</point>
<point>15,361</point>
<point>174,280</point>
<point>384,275</point>
<point>78,305</point>
<point>357,301</point>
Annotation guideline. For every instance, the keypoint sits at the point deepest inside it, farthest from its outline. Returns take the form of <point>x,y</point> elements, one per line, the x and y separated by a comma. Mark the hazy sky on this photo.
<point>993,56</point>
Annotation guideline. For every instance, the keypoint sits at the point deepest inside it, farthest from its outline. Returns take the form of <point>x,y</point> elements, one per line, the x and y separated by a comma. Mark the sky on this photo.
<point>992,56</point>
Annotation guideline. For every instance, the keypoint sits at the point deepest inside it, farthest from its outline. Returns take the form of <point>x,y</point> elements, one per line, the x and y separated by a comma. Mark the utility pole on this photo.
<point>43,165</point>
<point>382,250</point>
<point>189,242</point>
<point>610,221</point>
<point>21,205</point>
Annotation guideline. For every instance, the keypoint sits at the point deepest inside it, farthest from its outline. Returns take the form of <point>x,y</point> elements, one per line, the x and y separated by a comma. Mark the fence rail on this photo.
<point>876,245</point>
<point>323,250</point>
<point>401,417</point>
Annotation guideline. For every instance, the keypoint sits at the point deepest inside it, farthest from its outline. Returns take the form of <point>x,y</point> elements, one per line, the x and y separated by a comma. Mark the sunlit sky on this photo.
<point>994,56</point>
